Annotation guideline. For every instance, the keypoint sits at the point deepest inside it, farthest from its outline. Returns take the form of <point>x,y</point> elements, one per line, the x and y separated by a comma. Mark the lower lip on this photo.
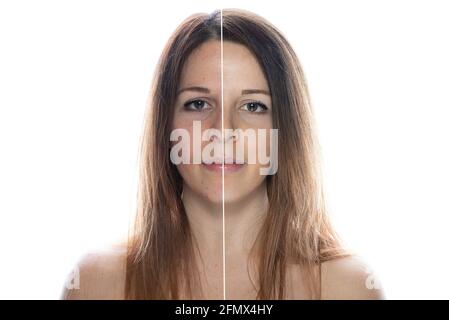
<point>228,168</point>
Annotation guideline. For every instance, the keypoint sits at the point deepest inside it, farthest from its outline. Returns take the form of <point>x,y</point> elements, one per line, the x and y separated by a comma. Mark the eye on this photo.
<point>196,105</point>
<point>255,107</point>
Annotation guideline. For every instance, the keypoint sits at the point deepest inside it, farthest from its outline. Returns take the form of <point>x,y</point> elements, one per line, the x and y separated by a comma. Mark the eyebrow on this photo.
<point>195,88</point>
<point>206,90</point>
<point>254,91</point>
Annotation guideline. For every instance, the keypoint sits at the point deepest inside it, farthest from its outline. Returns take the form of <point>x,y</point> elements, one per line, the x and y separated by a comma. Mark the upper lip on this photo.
<point>220,160</point>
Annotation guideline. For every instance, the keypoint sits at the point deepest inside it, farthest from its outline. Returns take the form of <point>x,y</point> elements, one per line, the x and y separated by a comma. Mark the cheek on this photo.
<point>200,182</point>
<point>245,121</point>
<point>262,121</point>
<point>190,174</point>
<point>186,172</point>
<point>183,141</point>
<point>192,142</point>
<point>258,148</point>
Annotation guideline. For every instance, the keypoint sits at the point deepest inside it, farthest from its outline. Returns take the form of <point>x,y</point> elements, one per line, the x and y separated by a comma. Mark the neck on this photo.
<point>242,222</point>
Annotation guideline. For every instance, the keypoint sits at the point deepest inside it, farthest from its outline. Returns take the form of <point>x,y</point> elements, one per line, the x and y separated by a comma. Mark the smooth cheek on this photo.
<point>255,123</point>
<point>247,120</point>
<point>254,176</point>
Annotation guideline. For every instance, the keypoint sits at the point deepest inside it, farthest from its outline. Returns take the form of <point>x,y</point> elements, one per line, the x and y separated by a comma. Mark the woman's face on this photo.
<point>246,105</point>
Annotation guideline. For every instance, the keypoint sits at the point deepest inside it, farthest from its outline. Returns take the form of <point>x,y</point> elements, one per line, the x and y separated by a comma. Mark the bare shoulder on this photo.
<point>349,278</point>
<point>98,275</point>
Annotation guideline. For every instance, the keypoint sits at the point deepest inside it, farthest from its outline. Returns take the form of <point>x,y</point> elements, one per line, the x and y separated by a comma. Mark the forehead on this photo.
<point>241,69</point>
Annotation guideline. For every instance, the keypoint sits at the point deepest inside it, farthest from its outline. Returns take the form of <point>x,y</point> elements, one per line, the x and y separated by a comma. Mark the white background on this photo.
<point>74,78</point>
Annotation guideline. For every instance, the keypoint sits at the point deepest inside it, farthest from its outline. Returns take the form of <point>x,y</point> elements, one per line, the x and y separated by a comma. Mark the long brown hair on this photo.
<point>296,229</point>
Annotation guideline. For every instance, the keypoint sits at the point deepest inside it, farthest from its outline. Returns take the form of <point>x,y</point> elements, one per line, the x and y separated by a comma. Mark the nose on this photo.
<point>224,120</point>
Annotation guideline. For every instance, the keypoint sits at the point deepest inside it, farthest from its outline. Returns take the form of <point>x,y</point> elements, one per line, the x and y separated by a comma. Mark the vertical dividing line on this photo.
<point>223,150</point>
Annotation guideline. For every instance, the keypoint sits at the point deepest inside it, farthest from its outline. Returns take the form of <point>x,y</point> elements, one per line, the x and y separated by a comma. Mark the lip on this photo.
<point>228,167</point>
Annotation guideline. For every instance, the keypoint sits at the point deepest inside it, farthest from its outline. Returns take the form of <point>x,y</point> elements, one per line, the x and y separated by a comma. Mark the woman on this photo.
<point>213,230</point>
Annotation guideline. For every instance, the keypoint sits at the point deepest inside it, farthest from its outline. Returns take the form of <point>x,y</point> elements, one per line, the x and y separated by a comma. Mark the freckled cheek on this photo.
<point>187,145</point>
<point>185,119</point>
<point>181,122</point>
<point>187,171</point>
<point>194,136</point>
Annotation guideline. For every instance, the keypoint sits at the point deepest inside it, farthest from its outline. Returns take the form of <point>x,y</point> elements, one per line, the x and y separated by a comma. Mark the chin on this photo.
<point>232,197</point>
<point>216,197</point>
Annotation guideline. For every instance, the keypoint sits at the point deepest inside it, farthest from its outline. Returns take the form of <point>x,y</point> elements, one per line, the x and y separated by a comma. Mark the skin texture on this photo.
<point>245,191</point>
<point>102,278</point>
<point>246,202</point>
<point>240,72</point>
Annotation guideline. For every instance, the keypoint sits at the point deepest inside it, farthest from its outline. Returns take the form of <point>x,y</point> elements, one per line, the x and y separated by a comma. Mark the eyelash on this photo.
<point>188,103</point>
<point>257,103</point>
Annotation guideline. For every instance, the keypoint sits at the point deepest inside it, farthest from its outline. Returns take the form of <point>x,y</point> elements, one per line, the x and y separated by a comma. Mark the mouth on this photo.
<point>229,166</point>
